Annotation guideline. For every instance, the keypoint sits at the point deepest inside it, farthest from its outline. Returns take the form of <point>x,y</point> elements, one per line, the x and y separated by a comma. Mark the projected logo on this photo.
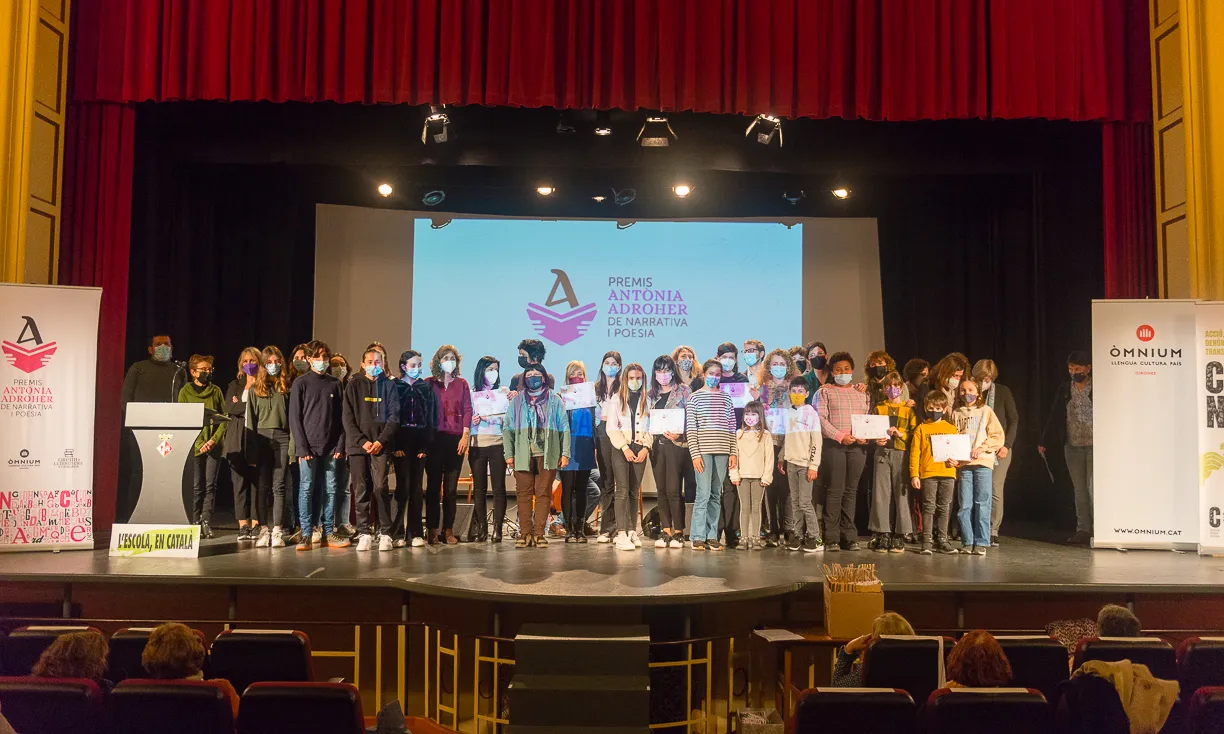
<point>32,358</point>
<point>561,327</point>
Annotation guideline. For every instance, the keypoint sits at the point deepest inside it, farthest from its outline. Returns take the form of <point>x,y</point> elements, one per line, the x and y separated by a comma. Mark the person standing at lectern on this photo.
<point>156,379</point>
<point>206,453</point>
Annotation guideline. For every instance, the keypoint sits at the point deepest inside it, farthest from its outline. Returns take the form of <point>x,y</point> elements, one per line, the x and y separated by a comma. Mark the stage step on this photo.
<point>580,678</point>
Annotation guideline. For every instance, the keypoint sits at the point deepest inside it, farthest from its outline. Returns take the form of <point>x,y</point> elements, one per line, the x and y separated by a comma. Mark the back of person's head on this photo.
<point>913,370</point>
<point>978,661</point>
<point>172,652</point>
<point>890,623</point>
<point>1116,621</point>
<point>74,655</point>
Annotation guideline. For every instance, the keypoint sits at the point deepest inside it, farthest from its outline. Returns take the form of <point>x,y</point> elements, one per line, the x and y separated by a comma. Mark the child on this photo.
<point>371,418</point>
<point>205,455</point>
<point>890,513</point>
<point>844,454</point>
<point>936,480</point>
<point>316,425</point>
<point>975,418</point>
<point>709,421</point>
<point>801,453</point>
<point>754,471</point>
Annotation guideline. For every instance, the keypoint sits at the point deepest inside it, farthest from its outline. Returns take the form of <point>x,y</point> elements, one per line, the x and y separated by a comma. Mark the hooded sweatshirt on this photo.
<point>983,425</point>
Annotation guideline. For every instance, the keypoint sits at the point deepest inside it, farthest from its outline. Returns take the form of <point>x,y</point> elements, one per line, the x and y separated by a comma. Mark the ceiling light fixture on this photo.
<point>656,132</point>
<point>599,199</point>
<point>682,190</point>
<point>433,198</point>
<point>437,128</point>
<point>769,128</point>
<point>384,189</point>
<point>545,190</point>
<point>841,192</point>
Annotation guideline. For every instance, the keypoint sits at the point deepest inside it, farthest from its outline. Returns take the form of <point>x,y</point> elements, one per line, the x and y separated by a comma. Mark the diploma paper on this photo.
<point>490,402</point>
<point>789,420</point>
<point>667,420</point>
<point>869,426</point>
<point>955,446</point>
<point>581,395</point>
<point>738,391</point>
<point>775,420</point>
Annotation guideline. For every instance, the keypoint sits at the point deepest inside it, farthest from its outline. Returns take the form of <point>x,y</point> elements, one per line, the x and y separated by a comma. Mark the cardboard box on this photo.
<point>759,721</point>
<point>849,614</point>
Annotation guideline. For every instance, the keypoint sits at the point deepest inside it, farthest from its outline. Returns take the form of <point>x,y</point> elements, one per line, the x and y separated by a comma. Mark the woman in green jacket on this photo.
<point>536,437</point>
<point>205,454</point>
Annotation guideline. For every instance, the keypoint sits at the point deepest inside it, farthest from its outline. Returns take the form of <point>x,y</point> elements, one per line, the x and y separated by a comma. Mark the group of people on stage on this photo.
<point>780,466</point>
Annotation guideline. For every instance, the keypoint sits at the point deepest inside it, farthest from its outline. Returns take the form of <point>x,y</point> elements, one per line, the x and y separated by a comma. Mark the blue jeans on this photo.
<point>709,503</point>
<point>329,467</point>
<point>976,484</point>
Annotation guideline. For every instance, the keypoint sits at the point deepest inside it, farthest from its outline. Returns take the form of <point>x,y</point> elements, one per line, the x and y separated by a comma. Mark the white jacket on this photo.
<point>621,424</point>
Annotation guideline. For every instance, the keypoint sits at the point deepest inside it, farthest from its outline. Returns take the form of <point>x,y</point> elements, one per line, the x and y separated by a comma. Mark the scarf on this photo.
<point>538,404</point>
<point>990,396</point>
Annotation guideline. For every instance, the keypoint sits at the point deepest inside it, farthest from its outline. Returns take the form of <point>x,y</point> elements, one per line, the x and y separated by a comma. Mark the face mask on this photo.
<point>892,392</point>
<point>952,383</point>
<point>801,365</point>
<point>711,382</point>
<point>577,380</point>
<point>751,419</point>
<point>777,372</point>
<point>1079,376</point>
<point>663,378</point>
<point>534,383</point>
<point>249,369</point>
<point>686,365</point>
<point>448,366</point>
<point>843,379</point>
<point>727,363</point>
<point>272,368</point>
<point>204,379</point>
<point>818,363</point>
<point>750,358</point>
<point>523,362</point>
<point>491,377</point>
<point>798,399</point>
<point>878,371</point>
<point>635,384</point>
<point>373,370</point>
<point>413,372</point>
<point>968,399</point>
<point>611,370</point>
<point>986,385</point>
<point>163,353</point>
<point>934,415</point>
<point>301,366</point>
<point>338,372</point>
<point>318,365</point>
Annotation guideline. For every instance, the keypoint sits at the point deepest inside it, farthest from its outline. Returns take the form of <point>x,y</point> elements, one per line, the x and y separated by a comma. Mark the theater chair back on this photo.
<point>1206,714</point>
<point>1200,662</point>
<point>865,710</point>
<point>1037,661</point>
<point>244,657</point>
<point>1158,655</point>
<point>126,650</point>
<point>976,710</point>
<point>334,708</point>
<point>23,646</point>
<point>912,664</point>
<point>171,707</point>
<point>52,705</point>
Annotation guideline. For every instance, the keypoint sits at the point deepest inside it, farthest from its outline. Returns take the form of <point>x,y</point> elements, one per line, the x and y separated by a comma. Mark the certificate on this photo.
<point>581,395</point>
<point>803,419</point>
<point>869,426</point>
<point>775,420</point>
<point>667,420</point>
<point>738,391</point>
<point>490,402</point>
<point>955,446</point>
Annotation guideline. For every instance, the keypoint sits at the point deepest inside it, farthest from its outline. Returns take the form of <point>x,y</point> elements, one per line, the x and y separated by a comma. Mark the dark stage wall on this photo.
<point>990,234</point>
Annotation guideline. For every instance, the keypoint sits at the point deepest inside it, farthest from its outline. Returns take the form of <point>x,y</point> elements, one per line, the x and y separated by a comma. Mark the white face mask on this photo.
<point>490,376</point>
<point>986,385</point>
<point>843,379</point>
<point>448,366</point>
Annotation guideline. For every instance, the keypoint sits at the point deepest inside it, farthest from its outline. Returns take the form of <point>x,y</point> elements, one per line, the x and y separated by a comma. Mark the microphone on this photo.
<point>181,363</point>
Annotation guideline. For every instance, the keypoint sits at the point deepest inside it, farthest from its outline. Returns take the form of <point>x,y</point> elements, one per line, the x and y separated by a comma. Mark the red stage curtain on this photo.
<point>94,244</point>
<point>1129,210</point>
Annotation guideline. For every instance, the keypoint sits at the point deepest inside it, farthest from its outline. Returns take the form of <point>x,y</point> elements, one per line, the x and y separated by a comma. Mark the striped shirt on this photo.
<point>837,404</point>
<point>710,424</point>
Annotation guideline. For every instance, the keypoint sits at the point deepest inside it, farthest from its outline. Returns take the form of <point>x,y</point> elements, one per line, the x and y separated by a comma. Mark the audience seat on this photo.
<point>171,707</point>
<point>1037,661</point>
<point>910,664</point>
<point>1200,662</point>
<point>23,646</point>
<point>126,649</point>
<point>52,705</point>
<point>1155,653</point>
<point>1206,715</point>
<point>244,657</point>
<point>302,708</point>
<point>859,710</point>
<point>976,710</point>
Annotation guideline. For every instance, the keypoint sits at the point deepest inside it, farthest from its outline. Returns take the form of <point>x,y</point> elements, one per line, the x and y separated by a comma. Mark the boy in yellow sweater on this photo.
<point>937,480</point>
<point>890,516</point>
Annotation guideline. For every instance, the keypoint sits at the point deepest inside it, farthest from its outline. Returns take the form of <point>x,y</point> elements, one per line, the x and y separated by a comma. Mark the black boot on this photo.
<point>206,532</point>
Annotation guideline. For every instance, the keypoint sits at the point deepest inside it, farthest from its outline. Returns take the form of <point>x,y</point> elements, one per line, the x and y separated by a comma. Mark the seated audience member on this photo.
<point>848,672</point>
<point>978,661</point>
<point>76,655</point>
<point>1116,621</point>
<point>174,652</point>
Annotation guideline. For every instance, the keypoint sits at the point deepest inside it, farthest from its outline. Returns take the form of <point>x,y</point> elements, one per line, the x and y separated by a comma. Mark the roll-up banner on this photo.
<point>1210,399</point>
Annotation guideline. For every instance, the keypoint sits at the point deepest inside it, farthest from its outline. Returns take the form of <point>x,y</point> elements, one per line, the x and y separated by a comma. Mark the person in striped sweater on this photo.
<point>710,429</point>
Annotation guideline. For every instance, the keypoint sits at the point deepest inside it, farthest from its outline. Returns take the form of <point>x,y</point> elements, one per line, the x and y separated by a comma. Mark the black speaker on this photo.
<point>465,522</point>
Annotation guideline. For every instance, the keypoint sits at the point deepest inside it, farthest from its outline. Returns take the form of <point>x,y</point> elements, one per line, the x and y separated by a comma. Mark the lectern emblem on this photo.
<point>164,448</point>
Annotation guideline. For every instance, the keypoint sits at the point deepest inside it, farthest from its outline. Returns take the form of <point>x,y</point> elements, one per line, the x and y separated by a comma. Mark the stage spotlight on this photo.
<point>794,196</point>
<point>437,128</point>
<point>624,196</point>
<point>603,123</point>
<point>433,198</point>
<point>598,199</point>
<point>682,190</point>
<point>656,132</point>
<point>384,190</point>
<point>565,123</point>
<point>841,192</point>
<point>768,128</point>
<point>545,190</point>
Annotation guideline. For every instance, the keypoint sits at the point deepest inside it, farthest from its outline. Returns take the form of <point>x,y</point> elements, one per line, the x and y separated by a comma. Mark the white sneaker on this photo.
<point>278,538</point>
<point>676,542</point>
<point>633,538</point>
<point>265,537</point>
<point>364,542</point>
<point>418,542</point>
<point>316,536</point>
<point>623,542</point>
<point>604,538</point>
<point>385,543</point>
<point>400,543</point>
<point>661,542</point>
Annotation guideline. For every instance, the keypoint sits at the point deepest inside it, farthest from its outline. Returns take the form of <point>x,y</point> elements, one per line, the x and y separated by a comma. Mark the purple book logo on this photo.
<point>561,327</point>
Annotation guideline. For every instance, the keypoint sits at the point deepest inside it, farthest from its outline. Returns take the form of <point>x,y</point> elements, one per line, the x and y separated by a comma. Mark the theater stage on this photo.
<point>601,575</point>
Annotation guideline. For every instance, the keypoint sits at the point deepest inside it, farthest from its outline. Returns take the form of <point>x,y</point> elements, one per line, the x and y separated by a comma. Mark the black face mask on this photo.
<point>878,371</point>
<point>819,363</point>
<point>801,365</point>
<point>535,382</point>
<point>934,415</point>
<point>204,379</point>
<point>1079,376</point>
<point>523,362</point>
